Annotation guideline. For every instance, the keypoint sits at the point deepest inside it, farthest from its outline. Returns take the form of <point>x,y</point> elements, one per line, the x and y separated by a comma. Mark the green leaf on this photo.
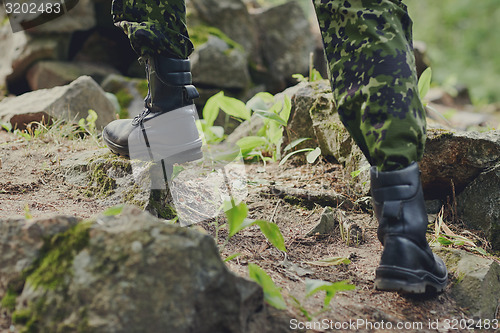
<point>218,131</point>
<point>480,251</point>
<point>234,107</point>
<point>424,82</point>
<point>232,256</point>
<point>314,286</point>
<point>6,126</point>
<point>275,133</point>
<point>315,75</point>
<point>299,77</point>
<point>113,211</point>
<point>176,171</point>
<point>313,155</point>
<point>211,109</point>
<point>272,233</point>
<point>272,294</point>
<point>270,115</point>
<point>236,217</point>
<point>287,156</point>
<point>332,261</point>
<point>261,101</point>
<point>287,109</point>
<point>444,241</point>
<point>356,173</point>
<point>295,143</point>
<point>249,143</point>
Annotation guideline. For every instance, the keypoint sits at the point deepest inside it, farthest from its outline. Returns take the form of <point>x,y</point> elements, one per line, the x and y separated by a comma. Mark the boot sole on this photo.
<point>182,157</point>
<point>115,149</point>
<point>393,278</point>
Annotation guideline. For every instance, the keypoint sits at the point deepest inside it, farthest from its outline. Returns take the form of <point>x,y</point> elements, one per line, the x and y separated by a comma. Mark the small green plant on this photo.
<point>237,220</point>
<point>445,237</point>
<point>88,124</point>
<point>312,153</point>
<point>267,143</point>
<point>424,83</point>
<point>273,296</point>
<point>314,75</point>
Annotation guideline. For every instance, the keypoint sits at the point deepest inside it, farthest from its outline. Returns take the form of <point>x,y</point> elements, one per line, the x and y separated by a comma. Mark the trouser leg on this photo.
<point>368,45</point>
<point>154,27</point>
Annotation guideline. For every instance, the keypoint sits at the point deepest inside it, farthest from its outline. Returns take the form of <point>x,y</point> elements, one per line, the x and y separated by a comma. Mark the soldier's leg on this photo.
<point>158,33</point>
<point>369,51</point>
<point>154,27</point>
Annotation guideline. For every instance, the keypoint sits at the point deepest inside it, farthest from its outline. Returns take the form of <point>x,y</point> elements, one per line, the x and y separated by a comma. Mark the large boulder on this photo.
<point>452,160</point>
<point>129,92</point>
<point>232,18</point>
<point>314,116</point>
<point>479,205</point>
<point>476,285</point>
<point>218,64</point>
<point>20,50</point>
<point>49,74</point>
<point>21,242</point>
<point>80,17</point>
<point>131,273</point>
<point>70,103</point>
<point>285,41</point>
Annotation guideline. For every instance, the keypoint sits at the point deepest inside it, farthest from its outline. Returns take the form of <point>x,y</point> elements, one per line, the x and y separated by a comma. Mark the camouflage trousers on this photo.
<point>154,26</point>
<point>368,46</point>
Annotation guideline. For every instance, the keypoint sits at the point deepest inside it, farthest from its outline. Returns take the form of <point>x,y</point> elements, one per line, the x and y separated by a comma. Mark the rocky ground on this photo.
<point>38,179</point>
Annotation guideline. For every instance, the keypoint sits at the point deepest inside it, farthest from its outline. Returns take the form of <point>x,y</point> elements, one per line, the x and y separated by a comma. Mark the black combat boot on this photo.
<point>407,264</point>
<point>168,119</point>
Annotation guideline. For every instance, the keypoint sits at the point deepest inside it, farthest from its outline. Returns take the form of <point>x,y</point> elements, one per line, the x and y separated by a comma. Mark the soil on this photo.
<point>32,183</point>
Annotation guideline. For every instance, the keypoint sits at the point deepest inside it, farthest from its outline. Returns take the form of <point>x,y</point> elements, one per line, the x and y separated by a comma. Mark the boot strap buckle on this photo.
<point>392,209</point>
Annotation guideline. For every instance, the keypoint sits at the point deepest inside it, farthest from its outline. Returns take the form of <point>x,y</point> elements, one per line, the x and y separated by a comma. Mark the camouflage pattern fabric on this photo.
<point>368,45</point>
<point>157,26</point>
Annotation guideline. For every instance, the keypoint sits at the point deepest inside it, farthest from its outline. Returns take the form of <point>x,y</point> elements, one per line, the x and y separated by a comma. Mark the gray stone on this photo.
<point>49,74</point>
<point>20,50</point>
<point>128,91</point>
<point>479,205</point>
<point>21,241</point>
<point>285,40</point>
<point>232,18</point>
<point>217,64</point>
<point>109,179</point>
<point>69,103</point>
<point>132,272</point>
<point>326,224</point>
<point>81,17</point>
<point>477,284</point>
<point>314,116</point>
<point>452,160</point>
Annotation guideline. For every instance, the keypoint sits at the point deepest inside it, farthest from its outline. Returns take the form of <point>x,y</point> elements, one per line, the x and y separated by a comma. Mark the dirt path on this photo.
<point>33,183</point>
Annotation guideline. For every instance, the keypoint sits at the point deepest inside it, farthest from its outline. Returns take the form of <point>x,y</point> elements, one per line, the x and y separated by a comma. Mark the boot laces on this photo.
<point>147,108</point>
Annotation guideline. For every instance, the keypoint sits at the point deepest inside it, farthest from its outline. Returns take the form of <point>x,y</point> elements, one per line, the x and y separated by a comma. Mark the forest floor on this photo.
<point>32,183</point>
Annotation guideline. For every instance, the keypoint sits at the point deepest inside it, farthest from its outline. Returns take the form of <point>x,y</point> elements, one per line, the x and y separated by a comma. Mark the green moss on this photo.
<point>124,99</point>
<point>158,205</point>
<point>142,88</point>
<point>300,203</point>
<point>129,196</point>
<point>21,317</point>
<point>30,317</point>
<point>100,184</point>
<point>56,257</point>
<point>9,300</point>
<point>199,35</point>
